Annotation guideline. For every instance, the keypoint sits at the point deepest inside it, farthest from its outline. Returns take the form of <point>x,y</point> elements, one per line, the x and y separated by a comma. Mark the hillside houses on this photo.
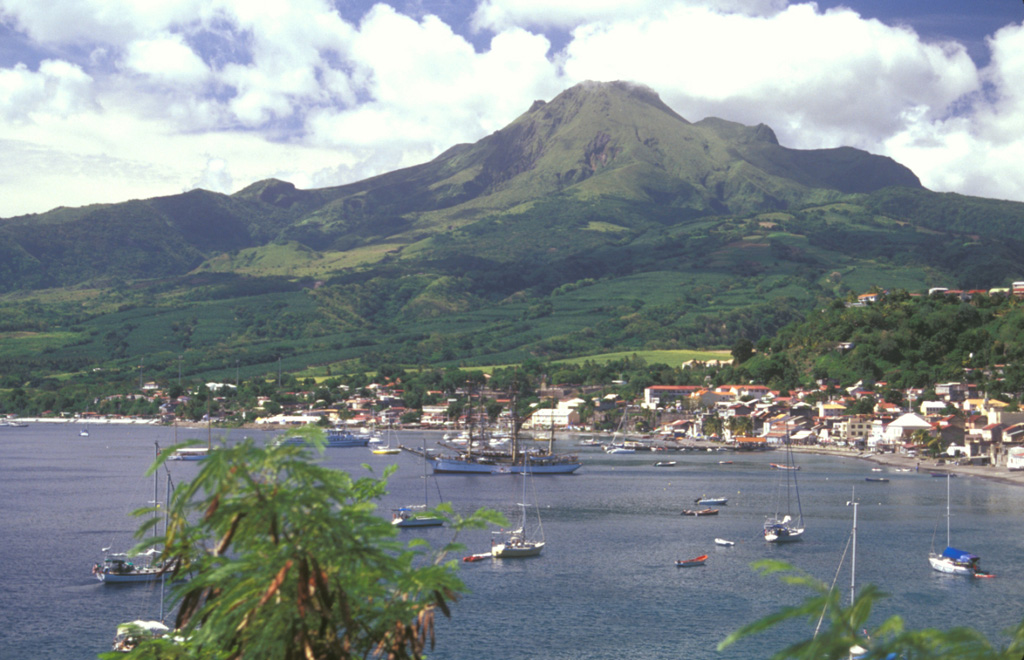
<point>958,424</point>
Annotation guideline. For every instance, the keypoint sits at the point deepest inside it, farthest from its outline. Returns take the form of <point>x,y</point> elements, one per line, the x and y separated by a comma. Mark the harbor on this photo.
<point>613,537</point>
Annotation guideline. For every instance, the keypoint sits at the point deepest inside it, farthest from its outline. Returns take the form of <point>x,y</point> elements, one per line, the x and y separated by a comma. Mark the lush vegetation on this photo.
<point>288,559</point>
<point>902,340</point>
<point>568,233</point>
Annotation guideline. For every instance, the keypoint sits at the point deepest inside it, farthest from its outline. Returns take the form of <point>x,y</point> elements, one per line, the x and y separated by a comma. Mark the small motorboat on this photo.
<point>780,466</point>
<point>725,543</point>
<point>699,512</point>
<point>480,556</point>
<point>876,469</point>
<point>696,561</point>
<point>665,464</point>
<point>881,480</point>
<point>712,500</point>
<point>725,462</point>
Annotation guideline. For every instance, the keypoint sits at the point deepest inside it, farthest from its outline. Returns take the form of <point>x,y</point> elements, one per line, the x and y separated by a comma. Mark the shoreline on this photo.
<point>1000,474</point>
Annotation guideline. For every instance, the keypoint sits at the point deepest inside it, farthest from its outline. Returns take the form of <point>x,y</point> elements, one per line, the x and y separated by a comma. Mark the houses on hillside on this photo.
<point>958,423</point>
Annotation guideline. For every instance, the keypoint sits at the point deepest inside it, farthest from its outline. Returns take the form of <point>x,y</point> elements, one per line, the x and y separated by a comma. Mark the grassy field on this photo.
<point>671,358</point>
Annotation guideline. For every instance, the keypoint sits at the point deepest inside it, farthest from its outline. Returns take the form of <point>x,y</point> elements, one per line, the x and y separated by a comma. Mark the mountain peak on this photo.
<point>275,192</point>
<point>739,133</point>
<point>595,92</point>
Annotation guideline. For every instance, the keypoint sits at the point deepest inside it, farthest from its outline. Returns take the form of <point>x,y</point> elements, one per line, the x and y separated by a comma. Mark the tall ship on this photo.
<point>478,458</point>
<point>495,462</point>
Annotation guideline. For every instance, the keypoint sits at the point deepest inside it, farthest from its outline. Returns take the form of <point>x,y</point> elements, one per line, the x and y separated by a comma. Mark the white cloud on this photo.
<point>96,21</point>
<point>818,79</point>
<point>57,88</point>
<point>429,89</point>
<point>215,176</point>
<point>168,59</point>
<point>979,152</point>
<point>567,14</point>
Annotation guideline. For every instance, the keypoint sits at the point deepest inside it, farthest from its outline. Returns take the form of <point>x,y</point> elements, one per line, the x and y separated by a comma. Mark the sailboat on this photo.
<point>856,651</point>
<point>407,516</point>
<point>192,453</point>
<point>783,529</point>
<point>131,634</point>
<point>953,561</point>
<point>387,448</point>
<point>120,567</point>
<point>520,542</point>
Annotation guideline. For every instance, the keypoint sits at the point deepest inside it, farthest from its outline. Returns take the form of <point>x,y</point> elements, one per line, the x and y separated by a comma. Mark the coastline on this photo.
<point>1000,474</point>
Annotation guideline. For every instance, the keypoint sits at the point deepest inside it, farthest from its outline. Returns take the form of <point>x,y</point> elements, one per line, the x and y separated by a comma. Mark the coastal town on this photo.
<point>956,430</point>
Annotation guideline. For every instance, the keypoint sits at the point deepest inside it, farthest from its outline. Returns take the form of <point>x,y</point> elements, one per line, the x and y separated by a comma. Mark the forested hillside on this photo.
<point>902,340</point>
<point>598,221</point>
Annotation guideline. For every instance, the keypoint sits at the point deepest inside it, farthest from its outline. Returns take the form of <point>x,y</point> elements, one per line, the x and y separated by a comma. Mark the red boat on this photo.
<point>696,561</point>
<point>779,466</point>
<point>699,512</point>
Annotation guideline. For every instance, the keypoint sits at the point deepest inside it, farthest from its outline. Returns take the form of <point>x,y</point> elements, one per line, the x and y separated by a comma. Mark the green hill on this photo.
<point>903,341</point>
<point>598,221</point>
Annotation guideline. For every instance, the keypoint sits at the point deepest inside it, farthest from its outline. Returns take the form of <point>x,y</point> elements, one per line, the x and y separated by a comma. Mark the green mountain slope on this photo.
<point>600,220</point>
<point>901,340</point>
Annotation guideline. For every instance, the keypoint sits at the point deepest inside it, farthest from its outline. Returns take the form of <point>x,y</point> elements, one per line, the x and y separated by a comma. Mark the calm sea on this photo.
<point>606,585</point>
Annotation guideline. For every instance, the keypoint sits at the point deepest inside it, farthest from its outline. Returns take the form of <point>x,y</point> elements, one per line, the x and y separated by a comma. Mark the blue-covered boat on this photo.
<point>344,438</point>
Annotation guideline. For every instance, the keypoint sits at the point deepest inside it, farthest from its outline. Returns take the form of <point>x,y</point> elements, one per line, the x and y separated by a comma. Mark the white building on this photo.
<point>547,418</point>
<point>1015,459</point>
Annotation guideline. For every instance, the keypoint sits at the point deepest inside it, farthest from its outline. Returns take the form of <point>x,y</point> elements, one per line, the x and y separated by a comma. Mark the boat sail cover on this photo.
<point>960,556</point>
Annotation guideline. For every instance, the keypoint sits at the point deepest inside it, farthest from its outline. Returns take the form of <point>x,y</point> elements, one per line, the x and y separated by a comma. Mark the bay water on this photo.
<point>606,585</point>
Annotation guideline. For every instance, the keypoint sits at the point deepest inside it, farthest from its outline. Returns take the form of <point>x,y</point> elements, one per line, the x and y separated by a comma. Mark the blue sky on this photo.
<point>108,100</point>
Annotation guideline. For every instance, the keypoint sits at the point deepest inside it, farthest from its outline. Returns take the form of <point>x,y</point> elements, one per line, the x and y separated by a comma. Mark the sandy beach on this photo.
<point>924,464</point>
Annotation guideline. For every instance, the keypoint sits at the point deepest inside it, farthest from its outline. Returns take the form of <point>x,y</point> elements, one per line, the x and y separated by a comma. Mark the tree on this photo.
<point>711,425</point>
<point>742,351</point>
<point>287,559</point>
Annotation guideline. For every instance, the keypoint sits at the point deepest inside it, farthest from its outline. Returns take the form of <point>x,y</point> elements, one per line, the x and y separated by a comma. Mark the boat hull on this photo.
<point>781,534</point>
<point>515,551</point>
<point>687,563</point>
<point>945,565</point>
<point>346,439</point>
<point>190,453</point>
<point>153,575</point>
<point>418,521</point>
<point>442,465</point>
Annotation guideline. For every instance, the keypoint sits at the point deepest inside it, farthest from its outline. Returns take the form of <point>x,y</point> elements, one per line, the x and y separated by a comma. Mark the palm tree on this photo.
<point>711,425</point>
<point>741,425</point>
<point>933,443</point>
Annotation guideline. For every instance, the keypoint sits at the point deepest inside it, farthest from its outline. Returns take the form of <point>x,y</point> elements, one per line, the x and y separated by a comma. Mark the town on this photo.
<point>957,425</point>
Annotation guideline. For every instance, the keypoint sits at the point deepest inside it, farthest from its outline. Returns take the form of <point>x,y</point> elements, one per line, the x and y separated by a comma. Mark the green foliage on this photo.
<point>287,559</point>
<point>845,628</point>
<point>568,233</point>
<point>906,342</point>
<point>742,351</point>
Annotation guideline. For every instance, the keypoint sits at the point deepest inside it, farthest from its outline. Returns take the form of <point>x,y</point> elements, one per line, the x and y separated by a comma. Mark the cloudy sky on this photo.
<point>108,100</point>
